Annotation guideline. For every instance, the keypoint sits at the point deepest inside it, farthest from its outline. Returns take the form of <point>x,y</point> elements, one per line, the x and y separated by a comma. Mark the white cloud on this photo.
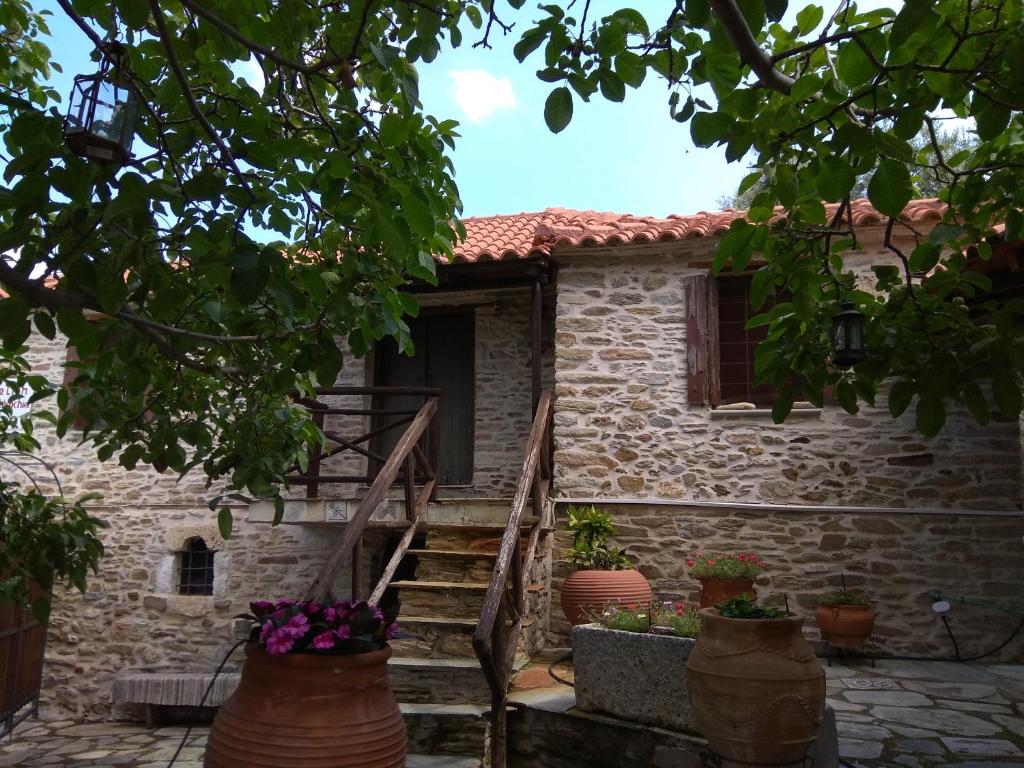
<point>480,94</point>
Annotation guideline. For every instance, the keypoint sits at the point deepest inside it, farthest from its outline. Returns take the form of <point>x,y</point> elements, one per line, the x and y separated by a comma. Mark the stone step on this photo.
<point>438,637</point>
<point>445,729</point>
<point>438,681</point>
<point>441,761</point>
<point>443,586</point>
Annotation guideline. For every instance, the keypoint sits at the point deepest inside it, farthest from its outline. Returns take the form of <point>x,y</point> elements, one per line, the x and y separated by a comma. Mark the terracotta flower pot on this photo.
<point>757,690</point>
<point>715,591</point>
<point>585,593</point>
<point>309,710</point>
<point>845,626</point>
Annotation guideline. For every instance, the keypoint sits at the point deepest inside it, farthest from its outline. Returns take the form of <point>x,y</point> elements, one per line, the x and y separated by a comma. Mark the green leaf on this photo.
<point>853,64</point>
<point>710,128</point>
<point>931,415</point>
<point>697,12</point>
<point>531,40</point>
<point>783,405</point>
<point>991,118</point>
<point>808,19</point>
<point>976,403</point>
<point>225,522</point>
<point>909,20</point>
<point>890,188</point>
<point>612,87</point>
<point>44,324</point>
<point>900,395</point>
<point>394,129</point>
<point>1006,391</point>
<point>836,178</point>
<point>631,68</point>
<point>761,285</point>
<point>736,246</point>
<point>846,396</point>
<point>775,9</point>
<point>558,109</point>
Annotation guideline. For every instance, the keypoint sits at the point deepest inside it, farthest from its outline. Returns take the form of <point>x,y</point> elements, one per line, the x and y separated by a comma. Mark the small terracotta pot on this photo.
<point>715,591</point>
<point>757,690</point>
<point>845,626</point>
<point>310,710</point>
<point>586,593</point>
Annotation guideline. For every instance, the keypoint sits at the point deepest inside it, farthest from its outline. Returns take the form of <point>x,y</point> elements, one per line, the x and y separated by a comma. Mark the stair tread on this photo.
<point>458,710</point>
<point>441,761</point>
<point>418,661</point>
<point>470,621</point>
<point>480,586</point>
<point>454,553</point>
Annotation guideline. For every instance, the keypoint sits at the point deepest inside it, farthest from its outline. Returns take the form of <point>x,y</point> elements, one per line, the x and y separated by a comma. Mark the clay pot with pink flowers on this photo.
<point>724,577</point>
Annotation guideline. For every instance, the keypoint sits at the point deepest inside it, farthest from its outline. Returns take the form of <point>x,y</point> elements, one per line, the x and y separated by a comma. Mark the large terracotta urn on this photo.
<point>310,710</point>
<point>845,626</point>
<point>715,591</point>
<point>757,690</point>
<point>586,593</point>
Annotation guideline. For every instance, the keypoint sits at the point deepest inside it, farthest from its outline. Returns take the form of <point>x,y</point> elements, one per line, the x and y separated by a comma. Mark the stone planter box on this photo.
<point>633,676</point>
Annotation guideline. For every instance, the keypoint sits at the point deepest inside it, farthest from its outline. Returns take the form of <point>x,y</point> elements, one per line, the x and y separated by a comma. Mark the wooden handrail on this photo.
<point>494,643</point>
<point>341,556</point>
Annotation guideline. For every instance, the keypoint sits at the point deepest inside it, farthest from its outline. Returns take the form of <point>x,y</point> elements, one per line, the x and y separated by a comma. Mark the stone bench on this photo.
<point>160,691</point>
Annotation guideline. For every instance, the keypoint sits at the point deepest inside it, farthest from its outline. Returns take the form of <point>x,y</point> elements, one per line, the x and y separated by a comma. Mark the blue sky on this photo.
<point>629,157</point>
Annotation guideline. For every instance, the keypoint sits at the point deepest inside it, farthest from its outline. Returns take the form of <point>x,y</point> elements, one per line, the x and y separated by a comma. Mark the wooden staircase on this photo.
<point>471,585</point>
<point>435,674</point>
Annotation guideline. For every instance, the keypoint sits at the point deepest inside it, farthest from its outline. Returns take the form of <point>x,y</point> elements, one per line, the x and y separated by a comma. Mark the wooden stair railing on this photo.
<point>501,618</point>
<point>405,456</point>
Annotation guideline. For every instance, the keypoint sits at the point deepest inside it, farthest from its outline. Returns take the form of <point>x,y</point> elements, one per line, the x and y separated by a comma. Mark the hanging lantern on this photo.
<point>848,336</point>
<point>100,123</point>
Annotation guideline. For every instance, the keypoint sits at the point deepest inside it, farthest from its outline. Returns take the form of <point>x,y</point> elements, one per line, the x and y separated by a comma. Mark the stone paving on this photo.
<point>897,713</point>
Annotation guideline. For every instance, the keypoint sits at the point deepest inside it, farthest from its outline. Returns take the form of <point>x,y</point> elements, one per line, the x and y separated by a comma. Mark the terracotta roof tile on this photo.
<point>522,235</point>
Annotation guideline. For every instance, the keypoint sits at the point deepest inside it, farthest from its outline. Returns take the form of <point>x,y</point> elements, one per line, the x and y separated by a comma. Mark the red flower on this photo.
<point>689,563</point>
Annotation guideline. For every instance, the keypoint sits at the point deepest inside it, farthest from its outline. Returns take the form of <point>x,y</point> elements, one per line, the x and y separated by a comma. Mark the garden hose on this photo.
<point>551,669</point>
<point>199,706</point>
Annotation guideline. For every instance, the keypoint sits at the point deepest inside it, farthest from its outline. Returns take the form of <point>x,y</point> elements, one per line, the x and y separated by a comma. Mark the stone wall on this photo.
<point>624,428</point>
<point>899,557</point>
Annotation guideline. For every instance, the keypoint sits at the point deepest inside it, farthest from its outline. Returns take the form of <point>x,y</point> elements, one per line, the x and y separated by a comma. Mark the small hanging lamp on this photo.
<point>100,123</point>
<point>848,336</point>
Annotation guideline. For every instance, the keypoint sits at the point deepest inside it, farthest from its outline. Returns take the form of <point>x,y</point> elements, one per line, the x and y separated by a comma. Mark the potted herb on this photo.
<point>603,575</point>
<point>845,618</point>
<point>756,687</point>
<point>314,688</point>
<point>723,577</point>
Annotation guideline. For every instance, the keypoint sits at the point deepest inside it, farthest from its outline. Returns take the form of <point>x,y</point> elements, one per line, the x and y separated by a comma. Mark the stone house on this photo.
<point>649,363</point>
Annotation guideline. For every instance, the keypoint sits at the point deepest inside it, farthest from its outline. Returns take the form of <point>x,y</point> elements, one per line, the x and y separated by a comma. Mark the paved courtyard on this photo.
<point>897,713</point>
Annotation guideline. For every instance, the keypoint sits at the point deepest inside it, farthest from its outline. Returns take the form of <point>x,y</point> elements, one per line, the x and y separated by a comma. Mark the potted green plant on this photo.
<point>845,618</point>
<point>756,688</point>
<point>602,575</point>
<point>724,576</point>
<point>314,690</point>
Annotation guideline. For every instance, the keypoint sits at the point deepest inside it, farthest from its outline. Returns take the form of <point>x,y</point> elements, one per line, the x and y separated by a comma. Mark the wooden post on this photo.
<point>409,483</point>
<point>357,569</point>
<point>536,320</point>
<point>434,448</point>
<point>313,489</point>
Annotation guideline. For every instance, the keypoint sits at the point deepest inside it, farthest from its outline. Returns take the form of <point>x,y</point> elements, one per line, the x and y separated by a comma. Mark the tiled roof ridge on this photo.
<point>522,235</point>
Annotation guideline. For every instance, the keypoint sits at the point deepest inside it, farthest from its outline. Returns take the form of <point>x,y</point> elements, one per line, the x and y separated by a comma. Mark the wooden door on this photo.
<point>444,358</point>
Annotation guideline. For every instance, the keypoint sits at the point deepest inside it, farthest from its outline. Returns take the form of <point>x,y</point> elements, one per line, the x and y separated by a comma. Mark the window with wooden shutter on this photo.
<point>737,345</point>
<point>71,371</point>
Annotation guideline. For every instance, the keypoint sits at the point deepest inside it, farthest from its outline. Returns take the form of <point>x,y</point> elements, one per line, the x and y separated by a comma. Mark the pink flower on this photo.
<point>742,558</point>
<point>343,632</point>
<point>379,614</point>
<point>297,625</point>
<point>689,563</point>
<point>279,642</point>
<point>312,607</point>
<point>711,562</point>
<point>266,629</point>
<point>391,631</point>
<point>324,641</point>
<point>330,614</point>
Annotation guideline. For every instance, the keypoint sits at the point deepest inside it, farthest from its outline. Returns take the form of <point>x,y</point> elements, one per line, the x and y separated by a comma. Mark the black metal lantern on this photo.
<point>848,335</point>
<point>100,123</point>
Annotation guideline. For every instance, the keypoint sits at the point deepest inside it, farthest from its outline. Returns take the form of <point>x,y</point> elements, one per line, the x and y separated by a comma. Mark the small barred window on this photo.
<point>196,569</point>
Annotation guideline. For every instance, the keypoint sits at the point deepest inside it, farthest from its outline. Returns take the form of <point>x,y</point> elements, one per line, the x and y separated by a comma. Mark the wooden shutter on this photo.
<point>70,373</point>
<point>701,296</point>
